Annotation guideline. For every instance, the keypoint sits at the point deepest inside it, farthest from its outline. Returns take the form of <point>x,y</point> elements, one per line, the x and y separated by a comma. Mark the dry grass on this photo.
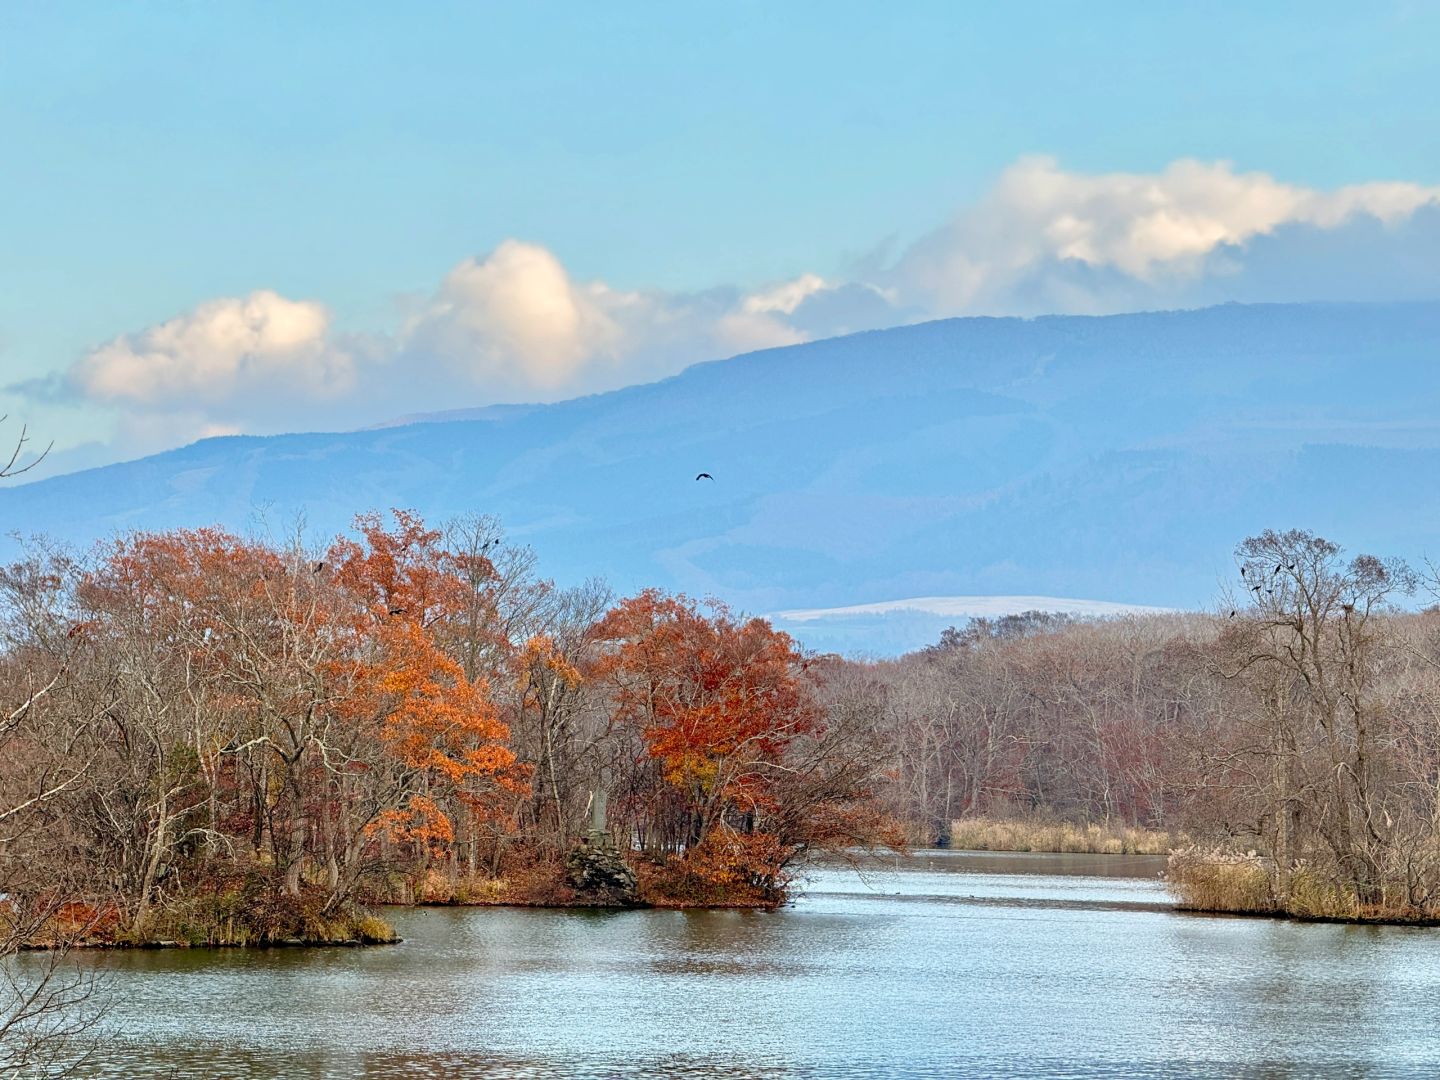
<point>996,834</point>
<point>1220,881</point>
<point>1217,880</point>
<point>525,882</point>
<point>1313,897</point>
<point>239,911</point>
<point>372,930</point>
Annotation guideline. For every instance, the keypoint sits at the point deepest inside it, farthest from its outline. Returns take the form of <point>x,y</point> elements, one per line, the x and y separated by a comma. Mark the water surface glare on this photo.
<point>944,964</point>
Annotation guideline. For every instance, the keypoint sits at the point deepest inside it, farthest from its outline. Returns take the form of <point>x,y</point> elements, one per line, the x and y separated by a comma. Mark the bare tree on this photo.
<point>16,464</point>
<point>47,1004</point>
<point>1312,659</point>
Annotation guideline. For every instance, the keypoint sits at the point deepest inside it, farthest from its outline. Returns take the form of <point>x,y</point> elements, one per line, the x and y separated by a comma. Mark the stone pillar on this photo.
<point>595,868</point>
<point>599,834</point>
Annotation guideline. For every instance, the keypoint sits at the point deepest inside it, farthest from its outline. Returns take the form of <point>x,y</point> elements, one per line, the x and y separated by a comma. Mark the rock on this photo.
<point>601,876</point>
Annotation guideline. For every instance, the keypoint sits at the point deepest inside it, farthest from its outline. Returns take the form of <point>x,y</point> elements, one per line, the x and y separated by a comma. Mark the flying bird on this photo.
<point>705,476</point>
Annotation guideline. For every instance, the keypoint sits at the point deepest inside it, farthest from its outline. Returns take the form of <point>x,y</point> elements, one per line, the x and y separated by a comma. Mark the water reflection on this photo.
<point>950,964</point>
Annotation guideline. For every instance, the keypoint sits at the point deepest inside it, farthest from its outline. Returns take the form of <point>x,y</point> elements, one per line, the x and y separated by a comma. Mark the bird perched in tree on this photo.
<point>705,476</point>
<point>318,567</point>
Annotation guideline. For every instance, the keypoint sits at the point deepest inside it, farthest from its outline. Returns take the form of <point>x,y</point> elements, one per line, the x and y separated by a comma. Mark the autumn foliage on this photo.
<point>712,707</point>
<point>207,737</point>
<point>231,733</point>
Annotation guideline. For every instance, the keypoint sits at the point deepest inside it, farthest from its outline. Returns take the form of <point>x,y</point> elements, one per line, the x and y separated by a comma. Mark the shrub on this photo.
<point>725,870</point>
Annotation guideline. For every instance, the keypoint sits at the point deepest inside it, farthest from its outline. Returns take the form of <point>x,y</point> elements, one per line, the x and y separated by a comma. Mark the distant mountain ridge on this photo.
<point>890,627</point>
<point>1118,457</point>
<point>448,416</point>
<point>971,607</point>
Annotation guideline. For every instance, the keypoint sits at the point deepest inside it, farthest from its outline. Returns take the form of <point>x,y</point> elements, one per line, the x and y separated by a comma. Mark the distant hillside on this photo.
<point>1116,457</point>
<point>892,627</point>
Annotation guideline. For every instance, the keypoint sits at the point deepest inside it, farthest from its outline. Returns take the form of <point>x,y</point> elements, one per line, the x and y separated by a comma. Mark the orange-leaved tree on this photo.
<point>713,705</point>
<point>291,714</point>
<point>445,752</point>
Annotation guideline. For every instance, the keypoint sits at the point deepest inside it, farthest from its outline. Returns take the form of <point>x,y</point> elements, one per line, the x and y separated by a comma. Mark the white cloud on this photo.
<point>516,316</point>
<point>511,325</point>
<point>222,348</point>
<point>746,331</point>
<point>515,325</point>
<point>785,297</point>
<point>758,321</point>
<point>1156,229</point>
<point>144,431</point>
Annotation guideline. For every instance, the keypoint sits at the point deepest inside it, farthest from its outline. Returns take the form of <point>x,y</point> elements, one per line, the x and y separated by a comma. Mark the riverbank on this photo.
<point>1221,882</point>
<point>1013,834</point>
<point>641,881</point>
<point>225,919</point>
<point>252,913</point>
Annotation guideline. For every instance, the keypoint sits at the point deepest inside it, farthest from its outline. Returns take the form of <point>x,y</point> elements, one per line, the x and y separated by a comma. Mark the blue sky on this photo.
<point>394,185</point>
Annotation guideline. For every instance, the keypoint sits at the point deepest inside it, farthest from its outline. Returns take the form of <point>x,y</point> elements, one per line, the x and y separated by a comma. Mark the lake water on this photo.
<point>945,964</point>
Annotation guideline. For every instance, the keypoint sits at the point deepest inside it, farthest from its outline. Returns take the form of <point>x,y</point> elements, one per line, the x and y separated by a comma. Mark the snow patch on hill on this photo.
<point>893,627</point>
<point>968,607</point>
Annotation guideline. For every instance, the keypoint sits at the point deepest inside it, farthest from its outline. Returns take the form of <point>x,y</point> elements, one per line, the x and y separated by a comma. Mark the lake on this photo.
<point>942,964</point>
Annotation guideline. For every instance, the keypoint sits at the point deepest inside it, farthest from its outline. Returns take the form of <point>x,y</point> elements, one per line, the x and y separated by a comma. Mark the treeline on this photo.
<point>1039,715</point>
<point>1293,737</point>
<point>210,738</point>
<point>213,738</point>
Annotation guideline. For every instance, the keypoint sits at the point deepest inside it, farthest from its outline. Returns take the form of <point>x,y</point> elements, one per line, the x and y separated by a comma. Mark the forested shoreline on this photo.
<point>215,739</point>
<point>1290,740</point>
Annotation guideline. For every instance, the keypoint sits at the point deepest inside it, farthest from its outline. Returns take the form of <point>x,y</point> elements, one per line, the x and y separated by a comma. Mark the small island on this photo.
<point>216,740</point>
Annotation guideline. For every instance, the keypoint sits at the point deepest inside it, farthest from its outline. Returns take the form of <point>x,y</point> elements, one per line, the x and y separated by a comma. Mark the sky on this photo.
<point>263,217</point>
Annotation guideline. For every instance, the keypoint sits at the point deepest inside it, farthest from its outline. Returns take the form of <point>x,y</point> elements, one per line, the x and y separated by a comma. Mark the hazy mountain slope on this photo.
<point>1118,458</point>
<point>899,626</point>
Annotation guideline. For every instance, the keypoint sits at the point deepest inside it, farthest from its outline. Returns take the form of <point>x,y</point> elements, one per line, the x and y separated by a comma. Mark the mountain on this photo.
<point>891,627</point>
<point>1118,457</point>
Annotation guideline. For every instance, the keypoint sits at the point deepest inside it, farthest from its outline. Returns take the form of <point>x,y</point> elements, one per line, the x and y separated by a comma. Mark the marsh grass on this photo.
<point>524,882</point>
<point>1000,834</point>
<point>199,923</point>
<point>1247,884</point>
<point>236,912</point>
<point>1221,881</point>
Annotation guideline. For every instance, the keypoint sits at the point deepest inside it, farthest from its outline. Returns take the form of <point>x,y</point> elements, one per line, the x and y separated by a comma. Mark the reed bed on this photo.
<point>999,834</point>
<point>1221,881</point>
<point>1249,884</point>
